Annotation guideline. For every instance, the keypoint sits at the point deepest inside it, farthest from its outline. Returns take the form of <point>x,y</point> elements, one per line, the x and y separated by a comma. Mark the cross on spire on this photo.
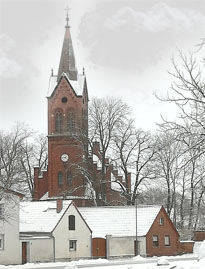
<point>67,17</point>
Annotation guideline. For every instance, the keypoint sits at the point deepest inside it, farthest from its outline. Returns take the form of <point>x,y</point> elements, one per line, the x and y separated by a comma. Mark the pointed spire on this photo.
<point>67,18</point>
<point>67,62</point>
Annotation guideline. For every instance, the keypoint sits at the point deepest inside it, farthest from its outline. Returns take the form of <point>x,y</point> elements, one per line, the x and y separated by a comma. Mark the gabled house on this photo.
<point>114,231</point>
<point>52,231</point>
<point>10,245</point>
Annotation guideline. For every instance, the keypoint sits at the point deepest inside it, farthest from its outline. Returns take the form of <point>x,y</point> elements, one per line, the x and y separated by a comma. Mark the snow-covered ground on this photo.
<point>189,261</point>
<point>145,263</point>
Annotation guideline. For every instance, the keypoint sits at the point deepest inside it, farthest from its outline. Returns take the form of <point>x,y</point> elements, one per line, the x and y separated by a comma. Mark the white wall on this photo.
<point>39,249</point>
<point>62,236</point>
<point>124,246</point>
<point>142,246</point>
<point>11,253</point>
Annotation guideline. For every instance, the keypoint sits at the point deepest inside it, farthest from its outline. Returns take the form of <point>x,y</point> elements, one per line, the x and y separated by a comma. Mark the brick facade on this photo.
<point>185,247</point>
<point>162,227</point>
<point>199,235</point>
<point>67,144</point>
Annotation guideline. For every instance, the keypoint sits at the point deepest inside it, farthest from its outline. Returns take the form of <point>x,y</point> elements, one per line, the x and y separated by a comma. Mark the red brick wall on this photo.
<point>185,247</point>
<point>40,184</point>
<point>74,103</point>
<point>64,143</point>
<point>199,235</point>
<point>161,230</point>
<point>60,143</point>
<point>58,146</point>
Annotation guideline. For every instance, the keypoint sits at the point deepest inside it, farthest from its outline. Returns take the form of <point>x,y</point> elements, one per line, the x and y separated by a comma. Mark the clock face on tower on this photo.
<point>64,157</point>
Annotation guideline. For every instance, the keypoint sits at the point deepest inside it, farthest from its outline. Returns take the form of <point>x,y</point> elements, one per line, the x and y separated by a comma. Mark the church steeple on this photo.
<point>67,62</point>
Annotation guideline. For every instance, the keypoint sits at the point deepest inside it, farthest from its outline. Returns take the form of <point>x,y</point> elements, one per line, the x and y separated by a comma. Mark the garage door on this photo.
<point>99,248</point>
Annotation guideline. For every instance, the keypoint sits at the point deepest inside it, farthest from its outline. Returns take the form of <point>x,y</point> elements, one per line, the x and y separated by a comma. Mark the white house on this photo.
<point>10,245</point>
<point>52,231</point>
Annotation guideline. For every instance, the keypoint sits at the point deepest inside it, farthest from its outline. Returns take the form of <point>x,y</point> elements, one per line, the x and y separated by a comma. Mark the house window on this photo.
<point>161,221</point>
<point>155,240</point>
<point>1,211</point>
<point>1,241</point>
<point>60,179</point>
<point>72,245</point>
<point>167,240</point>
<point>69,178</point>
<point>59,122</point>
<point>71,223</point>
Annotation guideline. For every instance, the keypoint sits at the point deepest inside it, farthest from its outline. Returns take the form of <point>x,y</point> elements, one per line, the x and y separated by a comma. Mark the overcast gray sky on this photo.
<point>125,46</point>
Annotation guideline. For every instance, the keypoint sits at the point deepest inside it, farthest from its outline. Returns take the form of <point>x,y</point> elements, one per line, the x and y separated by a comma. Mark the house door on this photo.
<point>24,252</point>
<point>99,248</point>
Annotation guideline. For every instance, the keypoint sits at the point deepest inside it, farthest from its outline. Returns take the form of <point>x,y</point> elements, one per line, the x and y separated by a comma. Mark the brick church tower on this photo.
<point>67,125</point>
<point>69,161</point>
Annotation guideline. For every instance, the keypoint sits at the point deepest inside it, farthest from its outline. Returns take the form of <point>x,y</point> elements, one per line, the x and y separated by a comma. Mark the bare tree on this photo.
<point>135,152</point>
<point>125,146</point>
<point>19,151</point>
<point>144,156</point>
<point>186,172</point>
<point>188,94</point>
<point>33,153</point>
<point>105,115</point>
<point>168,162</point>
<point>11,173</point>
<point>188,89</point>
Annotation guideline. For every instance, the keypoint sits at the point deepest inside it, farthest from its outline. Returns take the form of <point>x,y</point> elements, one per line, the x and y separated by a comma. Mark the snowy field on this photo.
<point>142,263</point>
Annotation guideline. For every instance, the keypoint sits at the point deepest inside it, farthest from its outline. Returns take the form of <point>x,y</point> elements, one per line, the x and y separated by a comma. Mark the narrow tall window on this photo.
<point>71,121</point>
<point>1,241</point>
<point>161,221</point>
<point>1,211</point>
<point>167,240</point>
<point>71,223</point>
<point>155,240</point>
<point>59,122</point>
<point>69,178</point>
<point>60,179</point>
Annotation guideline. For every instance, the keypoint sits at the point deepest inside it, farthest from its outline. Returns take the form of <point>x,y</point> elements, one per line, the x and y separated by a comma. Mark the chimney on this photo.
<point>59,205</point>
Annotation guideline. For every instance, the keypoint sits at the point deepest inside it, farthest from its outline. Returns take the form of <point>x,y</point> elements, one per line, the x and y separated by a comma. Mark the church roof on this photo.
<point>40,216</point>
<point>119,220</point>
<point>67,67</point>
<point>77,85</point>
<point>67,61</point>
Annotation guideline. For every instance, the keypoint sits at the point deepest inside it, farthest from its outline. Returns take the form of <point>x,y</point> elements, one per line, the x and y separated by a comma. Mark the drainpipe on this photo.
<point>54,248</point>
<point>108,237</point>
<point>91,246</point>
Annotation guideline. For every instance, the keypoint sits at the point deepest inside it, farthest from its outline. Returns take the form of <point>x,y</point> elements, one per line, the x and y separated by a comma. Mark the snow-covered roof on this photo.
<point>97,161</point>
<point>119,220</point>
<point>115,184</point>
<point>40,216</point>
<point>76,85</point>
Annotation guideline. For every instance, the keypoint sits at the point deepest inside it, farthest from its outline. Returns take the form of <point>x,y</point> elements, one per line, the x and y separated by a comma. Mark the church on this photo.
<point>74,169</point>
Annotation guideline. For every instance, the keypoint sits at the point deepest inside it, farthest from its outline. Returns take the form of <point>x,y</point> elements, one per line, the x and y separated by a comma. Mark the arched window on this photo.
<point>71,222</point>
<point>71,121</point>
<point>58,122</point>
<point>69,178</point>
<point>60,179</point>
